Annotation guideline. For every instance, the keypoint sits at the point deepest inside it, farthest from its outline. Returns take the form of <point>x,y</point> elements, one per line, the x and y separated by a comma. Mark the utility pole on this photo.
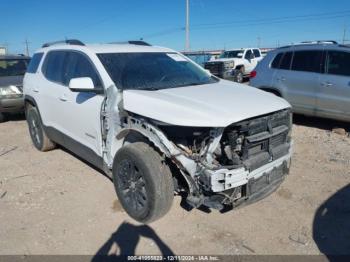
<point>26,47</point>
<point>259,41</point>
<point>344,34</point>
<point>187,43</point>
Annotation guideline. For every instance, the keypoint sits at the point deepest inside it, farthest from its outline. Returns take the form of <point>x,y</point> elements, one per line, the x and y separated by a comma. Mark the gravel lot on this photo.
<point>53,203</point>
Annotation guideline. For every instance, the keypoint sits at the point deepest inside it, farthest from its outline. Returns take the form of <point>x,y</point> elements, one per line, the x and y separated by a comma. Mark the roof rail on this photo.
<point>320,42</point>
<point>138,42</point>
<point>317,42</point>
<point>133,42</point>
<point>67,42</point>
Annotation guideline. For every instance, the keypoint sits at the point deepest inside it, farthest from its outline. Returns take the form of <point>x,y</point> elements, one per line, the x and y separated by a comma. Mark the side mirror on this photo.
<point>83,84</point>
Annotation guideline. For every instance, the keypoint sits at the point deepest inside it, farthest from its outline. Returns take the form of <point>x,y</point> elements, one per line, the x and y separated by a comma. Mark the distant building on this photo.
<point>2,50</point>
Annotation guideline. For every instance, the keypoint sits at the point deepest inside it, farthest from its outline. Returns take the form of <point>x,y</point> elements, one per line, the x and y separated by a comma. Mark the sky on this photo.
<point>214,24</point>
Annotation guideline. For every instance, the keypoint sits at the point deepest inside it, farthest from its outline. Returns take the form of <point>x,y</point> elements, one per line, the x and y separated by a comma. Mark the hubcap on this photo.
<point>34,130</point>
<point>132,185</point>
<point>239,78</point>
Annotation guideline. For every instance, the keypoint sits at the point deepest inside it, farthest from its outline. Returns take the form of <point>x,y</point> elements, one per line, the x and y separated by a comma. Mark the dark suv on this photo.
<point>12,70</point>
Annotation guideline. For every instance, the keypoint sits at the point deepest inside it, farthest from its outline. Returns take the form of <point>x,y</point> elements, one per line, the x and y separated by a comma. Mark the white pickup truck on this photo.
<point>235,64</point>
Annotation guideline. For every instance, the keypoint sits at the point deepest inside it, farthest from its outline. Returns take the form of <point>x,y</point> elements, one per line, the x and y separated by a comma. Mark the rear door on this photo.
<point>257,56</point>
<point>334,97</point>
<point>50,91</point>
<point>300,83</point>
<point>250,61</point>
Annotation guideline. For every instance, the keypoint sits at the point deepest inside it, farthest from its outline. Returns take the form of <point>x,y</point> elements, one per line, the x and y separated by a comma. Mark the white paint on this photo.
<point>213,105</point>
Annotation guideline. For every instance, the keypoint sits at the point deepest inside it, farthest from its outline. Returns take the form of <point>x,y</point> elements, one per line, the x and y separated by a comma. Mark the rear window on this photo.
<point>13,67</point>
<point>256,52</point>
<point>286,60</point>
<point>276,61</point>
<point>53,67</point>
<point>338,63</point>
<point>34,63</point>
<point>307,61</point>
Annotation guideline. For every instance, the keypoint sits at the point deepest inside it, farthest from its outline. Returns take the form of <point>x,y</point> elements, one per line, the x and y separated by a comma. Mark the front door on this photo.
<point>83,109</point>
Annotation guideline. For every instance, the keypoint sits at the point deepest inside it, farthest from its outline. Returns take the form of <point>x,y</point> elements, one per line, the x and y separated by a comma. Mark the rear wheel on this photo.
<point>143,182</point>
<point>37,132</point>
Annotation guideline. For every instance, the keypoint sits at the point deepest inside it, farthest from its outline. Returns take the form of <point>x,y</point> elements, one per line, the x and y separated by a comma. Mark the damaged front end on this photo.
<point>254,157</point>
<point>224,167</point>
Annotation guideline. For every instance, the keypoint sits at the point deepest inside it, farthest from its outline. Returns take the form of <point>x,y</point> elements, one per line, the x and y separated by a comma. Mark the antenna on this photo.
<point>187,43</point>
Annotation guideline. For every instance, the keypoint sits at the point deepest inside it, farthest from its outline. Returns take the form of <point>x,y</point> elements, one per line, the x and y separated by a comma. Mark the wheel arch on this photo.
<point>240,67</point>
<point>131,135</point>
<point>272,90</point>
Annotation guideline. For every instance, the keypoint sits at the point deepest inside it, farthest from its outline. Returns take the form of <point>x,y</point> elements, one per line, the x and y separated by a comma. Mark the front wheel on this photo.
<point>143,182</point>
<point>239,76</point>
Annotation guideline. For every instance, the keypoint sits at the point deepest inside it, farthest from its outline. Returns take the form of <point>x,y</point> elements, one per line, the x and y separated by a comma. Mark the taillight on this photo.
<point>252,74</point>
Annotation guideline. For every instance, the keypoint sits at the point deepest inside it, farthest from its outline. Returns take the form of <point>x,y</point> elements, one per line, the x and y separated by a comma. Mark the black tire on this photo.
<point>239,77</point>
<point>37,132</point>
<point>2,117</point>
<point>143,182</point>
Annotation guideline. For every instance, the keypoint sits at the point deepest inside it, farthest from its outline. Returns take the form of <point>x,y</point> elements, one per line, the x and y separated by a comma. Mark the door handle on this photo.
<point>281,79</point>
<point>63,98</point>
<point>326,84</point>
<point>35,90</point>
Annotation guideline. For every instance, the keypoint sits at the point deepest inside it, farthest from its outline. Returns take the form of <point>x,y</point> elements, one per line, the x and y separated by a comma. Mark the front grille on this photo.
<point>216,68</point>
<point>253,143</point>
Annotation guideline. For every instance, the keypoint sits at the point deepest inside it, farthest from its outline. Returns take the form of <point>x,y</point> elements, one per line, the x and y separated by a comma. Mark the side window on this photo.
<point>256,52</point>
<point>308,61</point>
<point>78,65</point>
<point>277,60</point>
<point>248,54</point>
<point>286,60</point>
<point>338,63</point>
<point>34,63</point>
<point>54,66</point>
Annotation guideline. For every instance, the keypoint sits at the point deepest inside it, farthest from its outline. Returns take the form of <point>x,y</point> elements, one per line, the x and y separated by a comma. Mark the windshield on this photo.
<point>13,67</point>
<point>232,54</point>
<point>153,71</point>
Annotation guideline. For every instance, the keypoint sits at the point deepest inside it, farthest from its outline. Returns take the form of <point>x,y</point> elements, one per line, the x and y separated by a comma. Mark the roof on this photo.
<point>241,49</point>
<point>314,44</point>
<point>110,48</point>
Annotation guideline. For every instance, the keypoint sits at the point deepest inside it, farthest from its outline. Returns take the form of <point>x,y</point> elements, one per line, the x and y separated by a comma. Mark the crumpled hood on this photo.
<point>212,105</point>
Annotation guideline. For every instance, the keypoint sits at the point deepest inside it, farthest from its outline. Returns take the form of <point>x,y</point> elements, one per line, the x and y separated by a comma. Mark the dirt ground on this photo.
<point>53,203</point>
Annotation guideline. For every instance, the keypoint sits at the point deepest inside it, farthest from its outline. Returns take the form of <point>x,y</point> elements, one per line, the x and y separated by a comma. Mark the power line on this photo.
<point>255,22</point>
<point>163,33</point>
<point>277,19</point>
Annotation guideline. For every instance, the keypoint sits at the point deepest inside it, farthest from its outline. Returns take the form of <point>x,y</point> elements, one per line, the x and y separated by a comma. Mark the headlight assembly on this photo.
<point>229,65</point>
<point>10,91</point>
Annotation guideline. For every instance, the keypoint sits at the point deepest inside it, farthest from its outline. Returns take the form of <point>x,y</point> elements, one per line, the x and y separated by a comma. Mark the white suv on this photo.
<point>158,123</point>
